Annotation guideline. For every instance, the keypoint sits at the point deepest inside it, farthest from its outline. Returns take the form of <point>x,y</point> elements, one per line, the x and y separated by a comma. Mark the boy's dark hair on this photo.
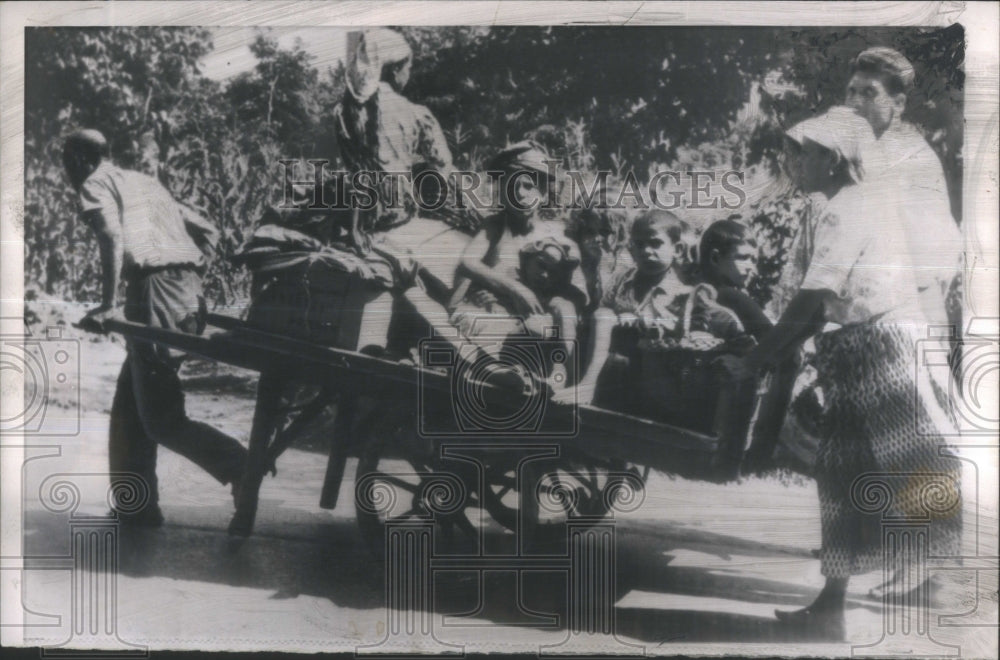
<point>649,221</point>
<point>889,65</point>
<point>724,236</point>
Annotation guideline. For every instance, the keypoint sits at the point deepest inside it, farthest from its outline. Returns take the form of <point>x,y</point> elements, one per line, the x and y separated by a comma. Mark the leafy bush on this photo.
<point>637,99</point>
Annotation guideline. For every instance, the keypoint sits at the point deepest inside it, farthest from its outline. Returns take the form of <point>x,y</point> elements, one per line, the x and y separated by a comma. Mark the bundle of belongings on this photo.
<point>313,280</point>
<point>277,244</point>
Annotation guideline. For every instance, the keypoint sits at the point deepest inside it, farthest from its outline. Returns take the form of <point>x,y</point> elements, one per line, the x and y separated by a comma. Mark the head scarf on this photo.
<point>844,132</point>
<point>367,53</point>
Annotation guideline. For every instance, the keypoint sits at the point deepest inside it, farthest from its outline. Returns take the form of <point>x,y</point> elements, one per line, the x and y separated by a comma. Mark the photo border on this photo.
<point>980,195</point>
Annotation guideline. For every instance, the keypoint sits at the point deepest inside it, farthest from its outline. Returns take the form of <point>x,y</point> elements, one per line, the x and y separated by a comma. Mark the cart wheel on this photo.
<point>398,480</point>
<point>564,488</point>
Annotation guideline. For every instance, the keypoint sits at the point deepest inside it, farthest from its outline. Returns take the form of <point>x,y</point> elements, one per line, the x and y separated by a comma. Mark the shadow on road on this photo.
<point>328,559</point>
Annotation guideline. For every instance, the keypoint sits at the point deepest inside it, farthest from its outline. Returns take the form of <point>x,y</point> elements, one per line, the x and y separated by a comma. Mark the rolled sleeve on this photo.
<point>837,248</point>
<point>95,195</point>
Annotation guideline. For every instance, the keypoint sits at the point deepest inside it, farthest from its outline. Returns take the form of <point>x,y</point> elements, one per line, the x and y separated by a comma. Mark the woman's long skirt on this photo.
<point>882,456</point>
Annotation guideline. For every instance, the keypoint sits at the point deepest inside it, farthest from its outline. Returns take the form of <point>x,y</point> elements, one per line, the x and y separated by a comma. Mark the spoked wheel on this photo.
<point>399,481</point>
<point>559,489</point>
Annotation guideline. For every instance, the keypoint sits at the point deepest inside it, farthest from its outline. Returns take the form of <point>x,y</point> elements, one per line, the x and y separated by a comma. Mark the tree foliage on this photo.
<point>215,146</point>
<point>633,99</point>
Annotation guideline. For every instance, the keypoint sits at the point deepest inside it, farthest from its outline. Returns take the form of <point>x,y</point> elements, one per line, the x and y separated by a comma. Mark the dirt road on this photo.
<point>700,567</point>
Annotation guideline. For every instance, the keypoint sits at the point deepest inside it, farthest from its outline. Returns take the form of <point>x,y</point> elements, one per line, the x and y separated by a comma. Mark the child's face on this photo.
<point>653,252</point>
<point>541,270</point>
<point>734,268</point>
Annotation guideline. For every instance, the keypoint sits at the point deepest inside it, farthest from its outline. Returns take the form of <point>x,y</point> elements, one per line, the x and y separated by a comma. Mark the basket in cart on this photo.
<point>680,384</point>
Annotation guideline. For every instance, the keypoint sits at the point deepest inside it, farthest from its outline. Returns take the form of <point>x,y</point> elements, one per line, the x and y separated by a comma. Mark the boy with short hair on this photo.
<point>647,302</point>
<point>646,299</point>
<point>728,257</point>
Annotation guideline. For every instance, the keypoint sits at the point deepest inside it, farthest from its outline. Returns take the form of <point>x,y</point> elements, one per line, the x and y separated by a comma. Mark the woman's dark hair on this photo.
<point>724,236</point>
<point>892,68</point>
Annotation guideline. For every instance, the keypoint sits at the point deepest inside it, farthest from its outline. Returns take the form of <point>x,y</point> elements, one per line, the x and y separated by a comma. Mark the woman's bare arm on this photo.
<point>802,319</point>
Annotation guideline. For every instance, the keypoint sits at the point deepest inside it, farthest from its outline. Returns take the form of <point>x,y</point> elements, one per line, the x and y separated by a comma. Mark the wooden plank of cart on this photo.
<point>595,446</point>
<point>416,452</point>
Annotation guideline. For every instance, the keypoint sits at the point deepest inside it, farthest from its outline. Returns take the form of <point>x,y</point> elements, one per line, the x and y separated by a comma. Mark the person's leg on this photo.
<point>160,404</point>
<point>825,615</point>
<point>733,414</point>
<point>565,318</point>
<point>912,441</point>
<point>171,298</point>
<point>131,451</point>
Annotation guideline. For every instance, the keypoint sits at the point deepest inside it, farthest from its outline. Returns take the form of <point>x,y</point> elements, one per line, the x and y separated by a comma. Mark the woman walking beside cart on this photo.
<point>860,277</point>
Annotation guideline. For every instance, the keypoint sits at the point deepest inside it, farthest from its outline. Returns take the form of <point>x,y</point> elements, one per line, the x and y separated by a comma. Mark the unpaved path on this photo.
<point>700,567</point>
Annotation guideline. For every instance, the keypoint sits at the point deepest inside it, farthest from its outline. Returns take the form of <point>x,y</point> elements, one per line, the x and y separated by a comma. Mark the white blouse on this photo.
<point>859,251</point>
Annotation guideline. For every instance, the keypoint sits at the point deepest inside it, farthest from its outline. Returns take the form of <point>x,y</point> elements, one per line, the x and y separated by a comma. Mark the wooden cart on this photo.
<point>580,458</point>
<point>525,462</point>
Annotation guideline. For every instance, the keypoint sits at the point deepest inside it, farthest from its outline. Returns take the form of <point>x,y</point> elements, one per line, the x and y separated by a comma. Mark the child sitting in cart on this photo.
<point>657,333</point>
<point>644,301</point>
<point>547,266</point>
<point>728,258</point>
<point>520,276</point>
<point>645,305</point>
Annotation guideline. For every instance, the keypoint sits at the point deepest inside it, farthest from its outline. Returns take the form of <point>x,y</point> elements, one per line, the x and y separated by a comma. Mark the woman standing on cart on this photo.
<point>859,276</point>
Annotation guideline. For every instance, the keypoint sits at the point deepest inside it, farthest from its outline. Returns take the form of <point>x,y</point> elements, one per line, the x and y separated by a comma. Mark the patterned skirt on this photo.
<point>882,467</point>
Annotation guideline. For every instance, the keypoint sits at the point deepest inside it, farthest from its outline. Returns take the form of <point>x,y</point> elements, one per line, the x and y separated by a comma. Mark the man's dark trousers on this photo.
<point>148,407</point>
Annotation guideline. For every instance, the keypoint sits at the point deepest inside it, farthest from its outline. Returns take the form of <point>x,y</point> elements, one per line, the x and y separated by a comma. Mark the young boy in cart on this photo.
<point>644,300</point>
<point>520,276</point>
<point>727,254</point>
<point>654,304</point>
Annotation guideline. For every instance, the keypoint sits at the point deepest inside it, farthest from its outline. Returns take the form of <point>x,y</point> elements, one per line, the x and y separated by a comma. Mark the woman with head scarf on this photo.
<point>859,301</point>
<point>380,130</point>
